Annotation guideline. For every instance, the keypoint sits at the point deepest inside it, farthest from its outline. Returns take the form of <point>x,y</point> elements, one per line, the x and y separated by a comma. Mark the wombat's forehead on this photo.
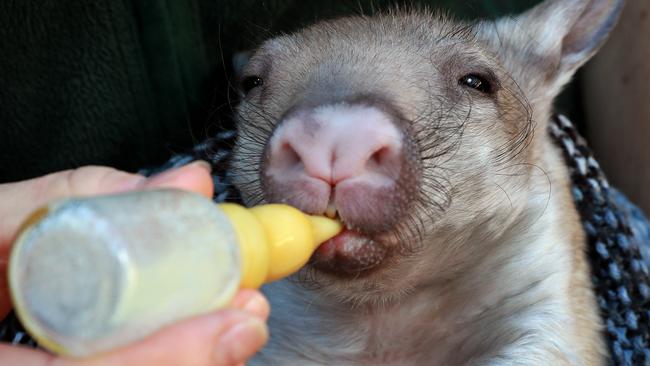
<point>412,30</point>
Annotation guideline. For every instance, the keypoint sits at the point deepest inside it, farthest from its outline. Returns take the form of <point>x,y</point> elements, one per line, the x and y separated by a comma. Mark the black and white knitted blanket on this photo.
<point>618,242</point>
<point>617,233</point>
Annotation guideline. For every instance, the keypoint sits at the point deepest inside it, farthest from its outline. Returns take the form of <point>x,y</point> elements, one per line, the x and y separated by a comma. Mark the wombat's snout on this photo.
<point>353,159</point>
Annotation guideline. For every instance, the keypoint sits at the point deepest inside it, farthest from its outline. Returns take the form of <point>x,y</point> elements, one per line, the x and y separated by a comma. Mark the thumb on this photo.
<point>21,198</point>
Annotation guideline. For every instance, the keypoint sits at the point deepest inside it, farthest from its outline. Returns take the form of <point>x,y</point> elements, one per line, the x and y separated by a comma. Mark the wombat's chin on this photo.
<point>369,288</point>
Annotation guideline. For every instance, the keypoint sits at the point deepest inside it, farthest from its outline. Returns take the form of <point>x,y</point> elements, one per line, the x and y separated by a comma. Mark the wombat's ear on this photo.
<point>562,33</point>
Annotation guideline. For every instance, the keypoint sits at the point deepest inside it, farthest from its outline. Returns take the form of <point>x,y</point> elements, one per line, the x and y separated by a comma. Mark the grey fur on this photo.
<point>490,267</point>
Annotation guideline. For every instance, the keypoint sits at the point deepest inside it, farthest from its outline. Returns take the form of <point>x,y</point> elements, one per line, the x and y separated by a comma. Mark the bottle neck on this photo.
<point>276,240</point>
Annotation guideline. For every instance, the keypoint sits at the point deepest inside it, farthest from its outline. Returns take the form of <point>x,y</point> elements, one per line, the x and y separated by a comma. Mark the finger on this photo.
<point>21,198</point>
<point>253,302</point>
<point>19,355</point>
<point>250,301</point>
<point>223,339</point>
<point>227,338</point>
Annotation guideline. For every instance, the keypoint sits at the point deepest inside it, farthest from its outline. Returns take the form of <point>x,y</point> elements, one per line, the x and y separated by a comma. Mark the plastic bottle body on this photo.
<point>148,259</point>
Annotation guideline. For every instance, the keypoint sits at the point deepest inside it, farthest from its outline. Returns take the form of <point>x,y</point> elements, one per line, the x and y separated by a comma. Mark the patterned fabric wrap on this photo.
<point>616,232</point>
<point>618,241</point>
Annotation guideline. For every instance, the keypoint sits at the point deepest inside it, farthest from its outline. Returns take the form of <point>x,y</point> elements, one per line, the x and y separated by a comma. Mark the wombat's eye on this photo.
<point>251,82</point>
<point>477,82</point>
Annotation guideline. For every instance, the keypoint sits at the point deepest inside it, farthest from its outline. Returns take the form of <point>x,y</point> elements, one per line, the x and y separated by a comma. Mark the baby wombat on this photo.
<point>427,137</point>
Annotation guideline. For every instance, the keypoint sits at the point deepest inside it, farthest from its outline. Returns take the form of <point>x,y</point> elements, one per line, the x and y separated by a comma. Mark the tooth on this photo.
<point>331,210</point>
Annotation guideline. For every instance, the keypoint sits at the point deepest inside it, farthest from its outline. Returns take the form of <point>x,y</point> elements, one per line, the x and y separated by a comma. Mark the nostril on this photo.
<point>380,156</point>
<point>285,157</point>
<point>291,156</point>
<point>385,161</point>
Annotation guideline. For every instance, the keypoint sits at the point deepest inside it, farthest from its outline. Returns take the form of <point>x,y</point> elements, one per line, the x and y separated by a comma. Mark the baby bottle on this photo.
<point>90,274</point>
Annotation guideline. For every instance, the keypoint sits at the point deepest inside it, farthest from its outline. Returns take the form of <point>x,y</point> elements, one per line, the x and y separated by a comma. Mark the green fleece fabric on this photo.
<point>126,83</point>
<point>90,82</point>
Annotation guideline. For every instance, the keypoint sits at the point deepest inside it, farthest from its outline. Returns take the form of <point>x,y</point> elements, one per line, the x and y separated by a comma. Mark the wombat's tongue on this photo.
<point>349,253</point>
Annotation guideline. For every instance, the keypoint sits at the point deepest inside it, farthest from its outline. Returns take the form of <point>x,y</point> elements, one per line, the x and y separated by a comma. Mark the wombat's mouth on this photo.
<point>349,254</point>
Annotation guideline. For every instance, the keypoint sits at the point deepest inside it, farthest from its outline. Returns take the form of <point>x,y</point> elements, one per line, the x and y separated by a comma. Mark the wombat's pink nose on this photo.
<point>334,144</point>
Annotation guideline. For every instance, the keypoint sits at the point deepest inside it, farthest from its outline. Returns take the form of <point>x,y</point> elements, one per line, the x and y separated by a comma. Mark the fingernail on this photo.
<point>257,306</point>
<point>202,164</point>
<point>241,341</point>
<point>165,176</point>
<point>132,181</point>
<point>171,174</point>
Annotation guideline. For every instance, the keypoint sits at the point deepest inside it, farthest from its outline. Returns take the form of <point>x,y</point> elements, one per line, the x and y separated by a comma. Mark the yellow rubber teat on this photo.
<point>276,240</point>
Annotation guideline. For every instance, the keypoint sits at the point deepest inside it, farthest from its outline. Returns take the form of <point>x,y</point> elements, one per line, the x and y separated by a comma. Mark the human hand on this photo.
<point>224,338</point>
